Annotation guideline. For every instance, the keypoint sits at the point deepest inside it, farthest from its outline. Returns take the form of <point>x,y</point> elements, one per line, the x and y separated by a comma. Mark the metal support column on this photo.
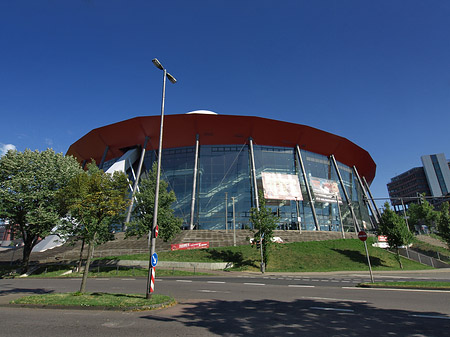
<point>366,197</point>
<point>308,190</point>
<point>404,214</point>
<point>340,216</point>
<point>371,197</point>
<point>194,183</point>
<point>347,199</point>
<point>102,161</point>
<point>136,182</point>
<point>252,158</point>
<point>226,212</point>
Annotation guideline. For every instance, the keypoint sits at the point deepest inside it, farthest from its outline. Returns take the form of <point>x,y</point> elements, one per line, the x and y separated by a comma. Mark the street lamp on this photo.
<point>158,174</point>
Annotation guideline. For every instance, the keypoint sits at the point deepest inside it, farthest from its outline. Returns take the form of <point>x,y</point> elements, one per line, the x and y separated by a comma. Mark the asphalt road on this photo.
<point>241,305</point>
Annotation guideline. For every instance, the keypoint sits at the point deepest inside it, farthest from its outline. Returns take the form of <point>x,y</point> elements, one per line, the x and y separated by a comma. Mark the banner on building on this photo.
<point>193,245</point>
<point>325,190</point>
<point>281,186</point>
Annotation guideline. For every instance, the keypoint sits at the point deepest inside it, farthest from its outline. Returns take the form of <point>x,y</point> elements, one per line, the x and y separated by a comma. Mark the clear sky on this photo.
<point>374,72</point>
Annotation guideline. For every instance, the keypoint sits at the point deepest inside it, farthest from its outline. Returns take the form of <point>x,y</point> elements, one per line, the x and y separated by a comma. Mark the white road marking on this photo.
<point>430,316</point>
<point>300,286</point>
<point>398,289</point>
<point>207,291</point>
<point>255,284</point>
<point>216,282</point>
<point>187,281</point>
<point>332,299</point>
<point>332,309</point>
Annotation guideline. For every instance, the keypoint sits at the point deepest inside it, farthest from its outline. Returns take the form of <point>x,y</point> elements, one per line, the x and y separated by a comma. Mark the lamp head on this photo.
<point>157,64</point>
<point>171,78</point>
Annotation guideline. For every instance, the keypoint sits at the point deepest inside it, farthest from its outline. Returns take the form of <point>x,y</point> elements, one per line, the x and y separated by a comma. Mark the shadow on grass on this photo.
<point>237,258</point>
<point>360,257</point>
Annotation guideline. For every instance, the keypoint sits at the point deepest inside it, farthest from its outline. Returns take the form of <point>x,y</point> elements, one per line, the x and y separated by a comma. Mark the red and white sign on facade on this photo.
<point>193,245</point>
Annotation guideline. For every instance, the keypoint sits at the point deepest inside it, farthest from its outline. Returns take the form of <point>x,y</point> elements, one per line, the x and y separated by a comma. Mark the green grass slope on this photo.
<point>316,256</point>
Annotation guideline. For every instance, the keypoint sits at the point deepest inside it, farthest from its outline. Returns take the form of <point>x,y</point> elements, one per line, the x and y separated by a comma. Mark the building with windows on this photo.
<point>432,179</point>
<point>218,165</point>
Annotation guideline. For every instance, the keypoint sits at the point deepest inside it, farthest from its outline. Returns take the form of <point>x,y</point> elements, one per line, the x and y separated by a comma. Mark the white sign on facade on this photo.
<point>281,186</point>
<point>325,190</point>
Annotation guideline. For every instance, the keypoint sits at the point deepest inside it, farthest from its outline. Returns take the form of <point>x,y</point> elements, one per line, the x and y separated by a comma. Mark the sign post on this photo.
<point>363,237</point>
<point>154,262</point>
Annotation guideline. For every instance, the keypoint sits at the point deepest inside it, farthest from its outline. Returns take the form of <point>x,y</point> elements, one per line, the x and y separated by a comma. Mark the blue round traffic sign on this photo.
<point>154,259</point>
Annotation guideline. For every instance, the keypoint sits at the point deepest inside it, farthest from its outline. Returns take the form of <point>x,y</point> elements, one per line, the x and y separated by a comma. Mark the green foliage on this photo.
<point>265,223</point>
<point>142,222</point>
<point>443,223</point>
<point>394,227</point>
<point>29,182</point>
<point>422,214</point>
<point>94,200</point>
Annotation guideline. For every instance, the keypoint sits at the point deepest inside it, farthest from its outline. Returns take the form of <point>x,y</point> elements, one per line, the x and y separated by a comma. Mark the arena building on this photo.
<point>218,164</point>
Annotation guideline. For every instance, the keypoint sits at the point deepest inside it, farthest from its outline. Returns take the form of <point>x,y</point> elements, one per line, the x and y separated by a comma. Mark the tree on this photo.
<point>142,222</point>
<point>394,227</point>
<point>422,213</point>
<point>29,182</point>
<point>443,223</point>
<point>95,201</point>
<point>265,222</point>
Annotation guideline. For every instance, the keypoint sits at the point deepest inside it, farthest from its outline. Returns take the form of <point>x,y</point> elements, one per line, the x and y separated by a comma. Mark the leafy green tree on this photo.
<point>394,227</point>
<point>142,222</point>
<point>422,213</point>
<point>443,223</point>
<point>265,223</point>
<point>95,201</point>
<point>29,182</point>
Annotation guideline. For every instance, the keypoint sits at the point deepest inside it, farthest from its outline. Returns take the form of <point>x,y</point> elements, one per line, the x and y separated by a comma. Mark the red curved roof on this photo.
<point>181,130</point>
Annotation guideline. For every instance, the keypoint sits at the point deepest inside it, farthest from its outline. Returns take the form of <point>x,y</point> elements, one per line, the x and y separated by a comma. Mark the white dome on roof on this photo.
<point>202,112</point>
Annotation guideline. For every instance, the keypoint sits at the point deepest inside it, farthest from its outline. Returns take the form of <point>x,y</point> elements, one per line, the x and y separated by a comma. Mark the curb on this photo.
<point>101,308</point>
<point>374,286</point>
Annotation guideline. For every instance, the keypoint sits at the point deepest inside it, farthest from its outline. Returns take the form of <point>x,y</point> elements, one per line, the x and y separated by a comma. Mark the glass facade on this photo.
<point>224,177</point>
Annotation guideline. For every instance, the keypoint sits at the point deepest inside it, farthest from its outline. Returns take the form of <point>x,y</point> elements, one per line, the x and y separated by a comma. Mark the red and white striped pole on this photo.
<point>152,281</point>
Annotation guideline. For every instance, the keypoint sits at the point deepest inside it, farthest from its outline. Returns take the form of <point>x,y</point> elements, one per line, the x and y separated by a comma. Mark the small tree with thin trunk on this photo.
<point>394,227</point>
<point>422,213</point>
<point>96,201</point>
<point>265,223</point>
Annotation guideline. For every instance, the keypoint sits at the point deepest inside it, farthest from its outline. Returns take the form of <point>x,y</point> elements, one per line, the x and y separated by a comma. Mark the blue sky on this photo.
<point>375,72</point>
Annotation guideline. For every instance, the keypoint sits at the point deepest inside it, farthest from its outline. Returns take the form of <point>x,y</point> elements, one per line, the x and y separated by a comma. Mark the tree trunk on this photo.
<point>399,259</point>
<point>28,245</point>
<point>80,261</point>
<point>86,267</point>
<point>26,257</point>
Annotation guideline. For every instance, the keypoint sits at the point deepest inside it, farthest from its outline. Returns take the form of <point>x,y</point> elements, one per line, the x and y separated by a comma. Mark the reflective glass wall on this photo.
<point>224,177</point>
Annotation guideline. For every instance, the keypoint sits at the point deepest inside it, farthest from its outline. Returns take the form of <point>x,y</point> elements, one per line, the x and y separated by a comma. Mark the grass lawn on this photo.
<point>409,285</point>
<point>100,300</point>
<point>316,256</point>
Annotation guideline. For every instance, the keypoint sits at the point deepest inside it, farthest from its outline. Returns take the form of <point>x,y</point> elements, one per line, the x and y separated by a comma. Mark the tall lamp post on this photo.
<point>151,269</point>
